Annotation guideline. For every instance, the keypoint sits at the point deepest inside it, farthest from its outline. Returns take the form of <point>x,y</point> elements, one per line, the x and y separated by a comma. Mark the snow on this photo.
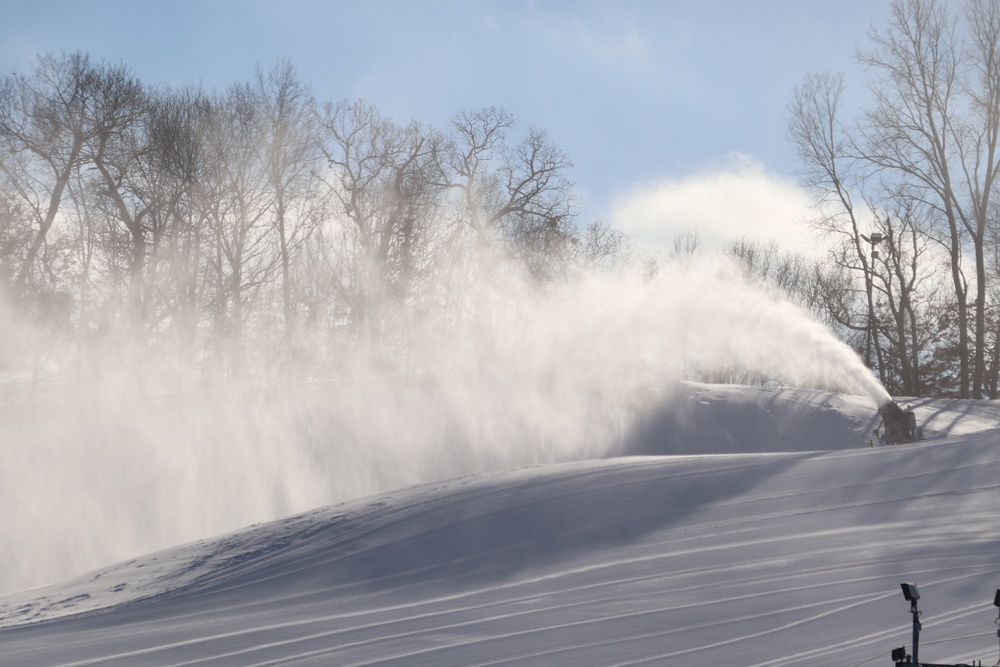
<point>731,525</point>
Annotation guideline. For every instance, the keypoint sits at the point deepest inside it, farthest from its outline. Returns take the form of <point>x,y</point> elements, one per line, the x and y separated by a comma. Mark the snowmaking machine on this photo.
<point>899,426</point>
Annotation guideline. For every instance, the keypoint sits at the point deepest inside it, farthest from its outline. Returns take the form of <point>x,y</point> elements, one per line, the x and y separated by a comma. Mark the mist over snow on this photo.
<point>408,377</point>
<point>92,479</point>
<point>552,493</point>
<point>788,556</point>
<point>552,496</point>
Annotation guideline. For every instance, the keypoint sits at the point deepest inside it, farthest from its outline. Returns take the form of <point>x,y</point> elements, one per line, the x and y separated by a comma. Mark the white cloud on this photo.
<point>740,198</point>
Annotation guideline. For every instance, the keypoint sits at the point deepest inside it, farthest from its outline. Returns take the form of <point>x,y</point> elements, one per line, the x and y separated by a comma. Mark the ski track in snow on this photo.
<point>762,559</point>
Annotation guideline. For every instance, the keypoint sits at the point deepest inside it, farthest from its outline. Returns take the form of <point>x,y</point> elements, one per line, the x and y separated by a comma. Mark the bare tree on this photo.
<point>827,156</point>
<point>46,120</point>
<point>238,203</point>
<point>15,236</point>
<point>767,265</point>
<point>209,221</point>
<point>901,271</point>
<point>116,151</point>
<point>934,130</point>
<point>290,149</point>
<point>380,177</point>
<point>176,163</point>
<point>980,153</point>
<point>603,249</point>
<point>516,195</point>
<point>684,247</point>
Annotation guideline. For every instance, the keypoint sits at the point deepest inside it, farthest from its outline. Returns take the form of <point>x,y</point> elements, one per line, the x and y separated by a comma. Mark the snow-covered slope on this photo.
<point>789,557</point>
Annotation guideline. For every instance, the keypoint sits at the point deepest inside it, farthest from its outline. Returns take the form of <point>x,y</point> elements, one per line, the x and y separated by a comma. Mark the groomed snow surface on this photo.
<point>729,526</point>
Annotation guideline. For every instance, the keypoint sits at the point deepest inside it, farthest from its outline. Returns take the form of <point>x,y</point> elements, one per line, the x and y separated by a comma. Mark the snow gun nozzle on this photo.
<point>899,426</point>
<point>890,410</point>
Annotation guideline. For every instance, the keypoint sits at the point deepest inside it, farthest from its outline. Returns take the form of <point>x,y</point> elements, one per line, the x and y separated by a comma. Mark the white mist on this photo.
<point>88,484</point>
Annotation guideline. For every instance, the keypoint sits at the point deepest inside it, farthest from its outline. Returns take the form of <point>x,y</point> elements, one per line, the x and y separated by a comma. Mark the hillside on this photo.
<point>657,555</point>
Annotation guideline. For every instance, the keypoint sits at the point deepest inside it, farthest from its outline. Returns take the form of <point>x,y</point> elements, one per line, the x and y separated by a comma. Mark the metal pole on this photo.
<point>916,632</point>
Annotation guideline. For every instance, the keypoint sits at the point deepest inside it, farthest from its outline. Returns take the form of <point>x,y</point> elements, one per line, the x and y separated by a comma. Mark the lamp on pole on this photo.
<point>912,595</point>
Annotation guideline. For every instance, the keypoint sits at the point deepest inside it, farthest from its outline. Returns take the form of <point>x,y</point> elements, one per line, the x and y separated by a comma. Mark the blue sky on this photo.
<point>673,112</point>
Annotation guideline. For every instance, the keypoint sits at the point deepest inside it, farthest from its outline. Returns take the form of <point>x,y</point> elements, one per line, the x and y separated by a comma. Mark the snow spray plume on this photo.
<point>699,323</point>
<point>540,376</point>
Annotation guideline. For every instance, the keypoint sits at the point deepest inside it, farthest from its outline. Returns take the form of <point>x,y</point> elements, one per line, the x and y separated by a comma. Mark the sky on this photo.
<point>673,112</point>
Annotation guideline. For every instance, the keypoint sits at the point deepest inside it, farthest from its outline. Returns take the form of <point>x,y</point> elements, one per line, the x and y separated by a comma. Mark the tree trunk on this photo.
<point>55,199</point>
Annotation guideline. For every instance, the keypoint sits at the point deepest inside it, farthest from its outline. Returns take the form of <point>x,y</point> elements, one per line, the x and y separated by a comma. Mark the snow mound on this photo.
<point>689,418</point>
<point>757,559</point>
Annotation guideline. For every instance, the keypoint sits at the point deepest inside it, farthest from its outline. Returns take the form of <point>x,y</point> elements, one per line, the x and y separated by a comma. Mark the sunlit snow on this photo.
<point>787,554</point>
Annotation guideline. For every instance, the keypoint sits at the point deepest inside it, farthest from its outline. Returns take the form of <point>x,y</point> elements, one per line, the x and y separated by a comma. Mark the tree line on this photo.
<point>906,198</point>
<point>907,191</point>
<point>256,231</point>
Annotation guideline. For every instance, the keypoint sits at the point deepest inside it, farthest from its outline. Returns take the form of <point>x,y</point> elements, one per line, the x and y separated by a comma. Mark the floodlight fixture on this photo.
<point>900,656</point>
